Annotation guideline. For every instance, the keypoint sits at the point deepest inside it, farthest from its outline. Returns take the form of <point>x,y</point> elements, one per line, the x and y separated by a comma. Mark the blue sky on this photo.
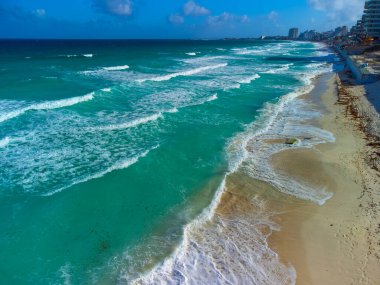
<point>170,18</point>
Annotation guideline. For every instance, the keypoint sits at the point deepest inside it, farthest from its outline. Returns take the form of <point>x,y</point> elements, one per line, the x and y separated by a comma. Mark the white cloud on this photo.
<point>115,7</point>
<point>39,12</point>
<point>340,11</point>
<point>176,19</point>
<point>273,15</point>
<point>227,18</point>
<point>193,9</point>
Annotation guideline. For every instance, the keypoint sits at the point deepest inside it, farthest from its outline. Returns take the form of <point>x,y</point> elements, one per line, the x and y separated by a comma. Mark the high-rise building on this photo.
<point>293,33</point>
<point>372,18</point>
<point>358,30</point>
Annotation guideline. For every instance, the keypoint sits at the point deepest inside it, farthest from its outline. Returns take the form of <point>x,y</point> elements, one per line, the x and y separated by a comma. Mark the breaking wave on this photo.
<point>47,106</point>
<point>184,73</point>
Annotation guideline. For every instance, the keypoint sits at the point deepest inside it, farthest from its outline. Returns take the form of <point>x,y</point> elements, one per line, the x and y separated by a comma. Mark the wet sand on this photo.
<point>337,243</point>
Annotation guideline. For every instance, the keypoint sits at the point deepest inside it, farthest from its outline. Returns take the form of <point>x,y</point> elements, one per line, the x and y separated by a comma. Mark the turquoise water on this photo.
<point>109,148</point>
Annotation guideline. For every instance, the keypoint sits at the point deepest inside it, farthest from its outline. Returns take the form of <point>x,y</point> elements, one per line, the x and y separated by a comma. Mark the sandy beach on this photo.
<point>334,243</point>
<point>337,243</point>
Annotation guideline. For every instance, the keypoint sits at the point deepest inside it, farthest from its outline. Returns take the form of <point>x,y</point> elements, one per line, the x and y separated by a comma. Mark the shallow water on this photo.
<point>110,148</point>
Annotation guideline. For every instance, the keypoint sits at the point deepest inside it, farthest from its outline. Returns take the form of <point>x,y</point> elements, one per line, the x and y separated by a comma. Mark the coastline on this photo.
<point>337,243</point>
<point>298,206</point>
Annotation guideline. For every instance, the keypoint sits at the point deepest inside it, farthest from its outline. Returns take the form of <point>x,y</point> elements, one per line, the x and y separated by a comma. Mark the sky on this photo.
<point>184,19</point>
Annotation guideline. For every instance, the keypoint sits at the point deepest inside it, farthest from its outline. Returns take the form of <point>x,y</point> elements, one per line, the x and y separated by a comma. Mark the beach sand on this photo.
<point>339,242</point>
<point>335,243</point>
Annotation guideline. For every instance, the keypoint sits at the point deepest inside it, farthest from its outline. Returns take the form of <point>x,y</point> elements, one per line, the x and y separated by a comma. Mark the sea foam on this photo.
<point>280,69</point>
<point>117,166</point>
<point>4,142</point>
<point>116,68</point>
<point>126,125</point>
<point>133,123</point>
<point>249,79</point>
<point>221,250</point>
<point>47,106</point>
<point>184,73</point>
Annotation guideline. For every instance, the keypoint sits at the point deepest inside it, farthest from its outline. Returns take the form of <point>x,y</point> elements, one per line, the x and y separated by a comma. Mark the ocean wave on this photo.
<point>184,73</point>
<point>88,55</point>
<point>230,87</point>
<point>130,124</point>
<point>212,98</point>
<point>116,68</point>
<point>282,120</point>
<point>133,123</point>
<point>47,106</point>
<point>223,250</point>
<point>106,89</point>
<point>249,79</point>
<point>191,53</point>
<point>249,52</point>
<point>68,55</point>
<point>4,142</point>
<point>117,166</point>
<point>280,69</point>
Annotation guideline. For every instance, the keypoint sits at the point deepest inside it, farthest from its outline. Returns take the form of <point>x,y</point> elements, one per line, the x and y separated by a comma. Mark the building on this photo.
<point>310,36</point>
<point>372,18</point>
<point>358,30</point>
<point>341,31</point>
<point>293,33</point>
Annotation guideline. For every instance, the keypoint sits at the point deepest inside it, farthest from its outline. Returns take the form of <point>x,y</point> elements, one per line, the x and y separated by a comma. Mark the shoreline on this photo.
<point>234,236</point>
<point>336,243</point>
<point>290,211</point>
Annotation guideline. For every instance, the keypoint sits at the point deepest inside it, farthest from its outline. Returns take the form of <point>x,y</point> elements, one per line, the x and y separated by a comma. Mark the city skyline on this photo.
<point>180,19</point>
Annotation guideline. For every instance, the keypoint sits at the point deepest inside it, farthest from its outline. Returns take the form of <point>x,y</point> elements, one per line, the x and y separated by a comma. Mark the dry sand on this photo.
<point>339,242</point>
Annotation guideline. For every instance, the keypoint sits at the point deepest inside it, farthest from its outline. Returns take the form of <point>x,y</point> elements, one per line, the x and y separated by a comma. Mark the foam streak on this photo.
<point>118,166</point>
<point>47,106</point>
<point>184,73</point>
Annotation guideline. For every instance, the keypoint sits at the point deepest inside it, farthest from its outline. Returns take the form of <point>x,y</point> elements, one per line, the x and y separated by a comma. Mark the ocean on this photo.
<point>114,154</point>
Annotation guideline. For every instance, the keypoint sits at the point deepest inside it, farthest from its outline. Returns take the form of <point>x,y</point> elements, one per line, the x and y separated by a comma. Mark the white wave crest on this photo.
<point>184,73</point>
<point>281,69</point>
<point>232,86</point>
<point>88,55</point>
<point>248,79</point>
<point>117,166</point>
<point>133,123</point>
<point>191,53</point>
<point>248,52</point>
<point>47,106</point>
<point>106,89</point>
<point>4,142</point>
<point>116,68</point>
<point>127,125</point>
<point>68,55</point>
<point>220,250</point>
<point>212,98</point>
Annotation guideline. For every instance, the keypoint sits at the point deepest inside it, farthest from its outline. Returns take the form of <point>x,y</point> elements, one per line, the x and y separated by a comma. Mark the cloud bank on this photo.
<point>114,7</point>
<point>340,11</point>
<point>227,18</point>
<point>192,9</point>
<point>176,19</point>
